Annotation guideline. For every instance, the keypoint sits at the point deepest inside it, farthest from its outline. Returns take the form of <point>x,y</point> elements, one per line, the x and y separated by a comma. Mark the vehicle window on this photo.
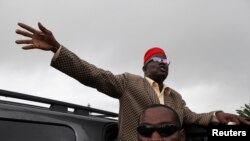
<point>32,131</point>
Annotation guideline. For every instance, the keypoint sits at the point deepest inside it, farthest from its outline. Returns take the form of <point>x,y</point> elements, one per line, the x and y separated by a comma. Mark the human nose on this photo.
<point>162,64</point>
<point>156,136</point>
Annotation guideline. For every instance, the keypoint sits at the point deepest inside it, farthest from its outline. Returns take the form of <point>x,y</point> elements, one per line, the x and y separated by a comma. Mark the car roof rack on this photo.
<point>59,105</point>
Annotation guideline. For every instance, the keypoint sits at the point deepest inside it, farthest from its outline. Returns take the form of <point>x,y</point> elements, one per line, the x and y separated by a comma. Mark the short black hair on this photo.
<point>164,106</point>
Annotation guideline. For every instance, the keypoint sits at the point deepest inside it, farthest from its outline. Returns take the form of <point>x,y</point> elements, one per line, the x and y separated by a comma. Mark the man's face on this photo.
<point>159,116</point>
<point>158,71</point>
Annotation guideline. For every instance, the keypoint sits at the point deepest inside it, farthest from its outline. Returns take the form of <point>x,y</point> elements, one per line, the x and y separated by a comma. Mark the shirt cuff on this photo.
<point>56,54</point>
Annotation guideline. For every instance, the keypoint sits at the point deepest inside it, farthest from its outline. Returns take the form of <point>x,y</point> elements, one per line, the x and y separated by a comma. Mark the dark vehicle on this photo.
<point>61,121</point>
<point>24,122</point>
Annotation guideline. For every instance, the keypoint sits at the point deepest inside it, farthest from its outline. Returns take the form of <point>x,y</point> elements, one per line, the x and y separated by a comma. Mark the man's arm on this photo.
<point>69,63</point>
<point>191,117</point>
<point>88,74</point>
<point>212,117</point>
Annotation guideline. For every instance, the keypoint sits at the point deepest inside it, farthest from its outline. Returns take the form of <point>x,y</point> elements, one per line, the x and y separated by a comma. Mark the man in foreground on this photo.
<point>160,123</point>
<point>134,92</point>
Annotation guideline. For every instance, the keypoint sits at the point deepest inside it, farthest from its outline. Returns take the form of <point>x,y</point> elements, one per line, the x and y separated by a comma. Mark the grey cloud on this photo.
<point>206,41</point>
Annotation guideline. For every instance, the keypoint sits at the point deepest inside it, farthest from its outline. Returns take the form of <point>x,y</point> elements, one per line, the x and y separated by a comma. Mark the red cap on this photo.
<point>152,51</point>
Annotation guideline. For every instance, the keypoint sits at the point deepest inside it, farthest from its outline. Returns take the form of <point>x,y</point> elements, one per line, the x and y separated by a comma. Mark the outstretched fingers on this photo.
<point>28,47</point>
<point>28,28</point>
<point>235,120</point>
<point>43,29</point>
<point>24,41</point>
<point>244,120</point>
<point>40,38</point>
<point>29,42</point>
<point>24,33</point>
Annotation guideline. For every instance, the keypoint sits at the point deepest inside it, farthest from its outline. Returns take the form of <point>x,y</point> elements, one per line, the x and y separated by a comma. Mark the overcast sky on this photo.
<point>207,41</point>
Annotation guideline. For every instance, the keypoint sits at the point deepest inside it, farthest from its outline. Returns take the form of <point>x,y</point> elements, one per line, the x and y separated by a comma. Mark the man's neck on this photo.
<point>159,82</point>
<point>160,85</point>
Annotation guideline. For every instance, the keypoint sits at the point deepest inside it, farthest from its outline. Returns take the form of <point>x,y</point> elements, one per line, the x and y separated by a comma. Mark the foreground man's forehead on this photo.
<point>156,115</point>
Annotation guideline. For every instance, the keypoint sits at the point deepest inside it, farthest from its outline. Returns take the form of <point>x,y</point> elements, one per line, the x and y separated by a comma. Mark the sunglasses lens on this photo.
<point>167,130</point>
<point>145,130</point>
<point>166,61</point>
<point>156,59</point>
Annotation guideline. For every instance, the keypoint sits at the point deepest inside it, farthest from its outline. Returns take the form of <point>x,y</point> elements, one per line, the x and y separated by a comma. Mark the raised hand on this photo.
<point>42,39</point>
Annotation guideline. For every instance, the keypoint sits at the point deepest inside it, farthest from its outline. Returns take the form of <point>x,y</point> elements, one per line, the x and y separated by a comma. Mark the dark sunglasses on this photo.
<point>159,60</point>
<point>164,130</point>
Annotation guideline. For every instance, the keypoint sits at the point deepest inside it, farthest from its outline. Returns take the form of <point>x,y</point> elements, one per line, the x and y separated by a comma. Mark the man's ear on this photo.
<point>144,68</point>
<point>183,135</point>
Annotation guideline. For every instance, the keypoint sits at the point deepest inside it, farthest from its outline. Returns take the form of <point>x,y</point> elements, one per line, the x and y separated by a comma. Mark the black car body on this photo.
<point>27,122</point>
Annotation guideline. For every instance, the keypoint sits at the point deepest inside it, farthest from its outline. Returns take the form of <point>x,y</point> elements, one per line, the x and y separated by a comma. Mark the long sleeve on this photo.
<point>191,117</point>
<point>187,116</point>
<point>88,74</point>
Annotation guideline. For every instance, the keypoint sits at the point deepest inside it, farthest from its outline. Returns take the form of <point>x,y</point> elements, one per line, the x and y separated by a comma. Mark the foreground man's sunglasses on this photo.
<point>164,130</point>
